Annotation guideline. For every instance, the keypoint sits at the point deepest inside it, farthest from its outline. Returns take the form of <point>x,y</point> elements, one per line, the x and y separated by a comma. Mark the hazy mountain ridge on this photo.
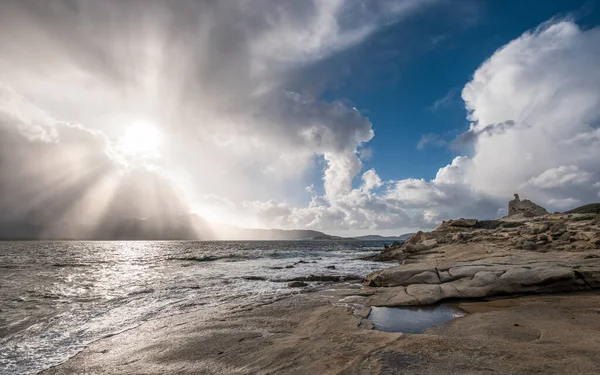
<point>376,237</point>
<point>181,227</point>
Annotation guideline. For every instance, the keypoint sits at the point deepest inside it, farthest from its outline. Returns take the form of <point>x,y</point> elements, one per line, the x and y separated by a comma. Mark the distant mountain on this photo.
<point>593,208</point>
<point>181,227</point>
<point>277,234</point>
<point>375,237</point>
<point>9,231</point>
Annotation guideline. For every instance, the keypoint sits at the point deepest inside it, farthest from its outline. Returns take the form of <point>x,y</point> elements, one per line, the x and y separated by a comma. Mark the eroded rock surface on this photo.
<point>426,283</point>
<point>307,334</point>
<point>467,258</point>
<point>525,208</point>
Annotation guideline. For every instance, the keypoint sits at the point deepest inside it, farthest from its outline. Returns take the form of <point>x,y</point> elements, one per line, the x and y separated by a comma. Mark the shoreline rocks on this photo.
<point>468,258</point>
<point>422,284</point>
<point>324,278</point>
<point>297,284</point>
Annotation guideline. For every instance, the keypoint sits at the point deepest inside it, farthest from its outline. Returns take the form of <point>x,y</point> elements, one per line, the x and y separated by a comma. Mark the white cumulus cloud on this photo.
<point>534,108</point>
<point>245,130</point>
<point>560,176</point>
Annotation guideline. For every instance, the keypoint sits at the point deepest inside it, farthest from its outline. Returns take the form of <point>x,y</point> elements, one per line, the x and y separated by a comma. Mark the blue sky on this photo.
<point>345,116</point>
<point>396,87</point>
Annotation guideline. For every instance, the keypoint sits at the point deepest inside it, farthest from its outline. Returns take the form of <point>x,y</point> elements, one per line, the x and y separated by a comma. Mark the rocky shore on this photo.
<point>529,284</point>
<point>316,333</point>
<point>468,258</point>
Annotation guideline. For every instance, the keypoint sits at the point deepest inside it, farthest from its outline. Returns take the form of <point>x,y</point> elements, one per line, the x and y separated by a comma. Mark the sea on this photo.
<point>56,297</point>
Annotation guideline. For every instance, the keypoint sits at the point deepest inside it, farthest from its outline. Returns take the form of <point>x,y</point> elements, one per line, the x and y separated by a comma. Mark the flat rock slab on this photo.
<point>308,335</point>
<point>423,283</point>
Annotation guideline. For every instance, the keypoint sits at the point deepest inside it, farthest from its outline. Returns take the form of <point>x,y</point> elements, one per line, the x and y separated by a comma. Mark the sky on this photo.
<point>347,117</point>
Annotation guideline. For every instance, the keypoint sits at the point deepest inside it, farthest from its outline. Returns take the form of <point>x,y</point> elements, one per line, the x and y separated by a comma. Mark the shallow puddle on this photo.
<point>412,319</point>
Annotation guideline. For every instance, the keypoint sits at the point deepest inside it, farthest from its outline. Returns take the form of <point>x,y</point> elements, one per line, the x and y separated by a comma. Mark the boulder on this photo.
<point>525,208</point>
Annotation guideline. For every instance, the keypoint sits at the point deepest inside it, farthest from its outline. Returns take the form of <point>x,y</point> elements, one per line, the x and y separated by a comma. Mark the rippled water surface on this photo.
<point>412,319</point>
<point>56,297</point>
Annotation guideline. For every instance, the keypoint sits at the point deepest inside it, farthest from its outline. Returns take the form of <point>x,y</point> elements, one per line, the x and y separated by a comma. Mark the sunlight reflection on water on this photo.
<point>55,297</point>
<point>412,319</point>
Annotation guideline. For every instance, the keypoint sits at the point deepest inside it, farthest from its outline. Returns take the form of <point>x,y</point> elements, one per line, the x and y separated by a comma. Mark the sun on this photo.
<point>141,139</point>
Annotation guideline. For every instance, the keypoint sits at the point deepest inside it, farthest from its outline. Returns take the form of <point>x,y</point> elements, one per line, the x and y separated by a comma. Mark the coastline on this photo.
<point>530,288</point>
<point>59,298</point>
<point>316,333</point>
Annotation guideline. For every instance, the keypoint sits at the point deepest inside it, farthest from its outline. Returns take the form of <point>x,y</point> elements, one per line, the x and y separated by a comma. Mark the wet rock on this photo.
<point>297,284</point>
<point>332,278</point>
<point>196,259</point>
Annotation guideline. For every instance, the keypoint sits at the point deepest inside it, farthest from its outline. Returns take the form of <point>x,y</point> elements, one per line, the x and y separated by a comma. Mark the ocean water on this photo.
<point>58,296</point>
